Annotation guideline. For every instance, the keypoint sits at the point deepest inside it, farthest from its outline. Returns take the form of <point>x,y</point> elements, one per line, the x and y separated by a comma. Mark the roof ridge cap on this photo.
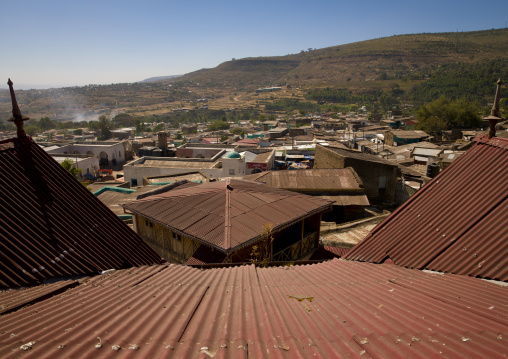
<point>227,214</point>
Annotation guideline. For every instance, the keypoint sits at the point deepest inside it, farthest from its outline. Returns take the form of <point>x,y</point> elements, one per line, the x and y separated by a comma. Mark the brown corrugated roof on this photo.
<point>263,157</point>
<point>227,214</point>
<point>335,309</point>
<point>358,155</point>
<point>335,180</point>
<point>52,226</point>
<point>341,185</point>
<point>456,223</point>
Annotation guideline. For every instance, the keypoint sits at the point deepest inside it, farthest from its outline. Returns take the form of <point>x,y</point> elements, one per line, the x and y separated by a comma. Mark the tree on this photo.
<point>78,132</point>
<point>67,164</point>
<point>105,127</point>
<point>217,125</point>
<point>31,130</point>
<point>123,120</point>
<point>140,126</point>
<point>46,124</point>
<point>238,131</point>
<point>448,114</point>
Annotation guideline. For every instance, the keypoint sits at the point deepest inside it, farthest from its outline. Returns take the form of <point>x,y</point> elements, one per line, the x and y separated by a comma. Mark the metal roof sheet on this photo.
<point>52,226</point>
<point>226,214</point>
<point>348,153</point>
<point>333,309</point>
<point>341,184</point>
<point>456,223</point>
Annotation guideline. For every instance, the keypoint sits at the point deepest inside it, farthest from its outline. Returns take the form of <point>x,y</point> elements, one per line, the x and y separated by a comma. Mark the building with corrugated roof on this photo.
<point>379,176</point>
<point>230,217</point>
<point>342,185</point>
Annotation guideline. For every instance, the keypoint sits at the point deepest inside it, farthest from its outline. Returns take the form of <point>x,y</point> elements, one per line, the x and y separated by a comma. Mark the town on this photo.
<point>331,236</point>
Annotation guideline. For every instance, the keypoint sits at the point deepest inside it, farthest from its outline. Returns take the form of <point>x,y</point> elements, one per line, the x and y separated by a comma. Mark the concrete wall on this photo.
<point>138,173</point>
<point>233,167</point>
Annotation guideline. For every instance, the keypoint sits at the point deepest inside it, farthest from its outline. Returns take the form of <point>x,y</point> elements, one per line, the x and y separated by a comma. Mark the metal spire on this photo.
<point>494,113</point>
<point>17,118</point>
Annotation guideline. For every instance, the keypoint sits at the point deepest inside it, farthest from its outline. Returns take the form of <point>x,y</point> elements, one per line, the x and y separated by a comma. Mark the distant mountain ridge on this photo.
<point>160,78</point>
<point>358,63</point>
<point>413,68</point>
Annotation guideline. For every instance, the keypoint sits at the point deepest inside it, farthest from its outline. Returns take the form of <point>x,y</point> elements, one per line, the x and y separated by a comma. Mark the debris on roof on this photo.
<point>334,309</point>
<point>456,223</point>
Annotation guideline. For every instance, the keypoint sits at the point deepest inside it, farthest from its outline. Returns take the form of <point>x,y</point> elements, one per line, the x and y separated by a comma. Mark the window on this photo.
<point>232,171</point>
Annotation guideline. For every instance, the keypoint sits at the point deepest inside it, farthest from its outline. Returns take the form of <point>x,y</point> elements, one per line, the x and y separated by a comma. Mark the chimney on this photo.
<point>17,118</point>
<point>163,141</point>
<point>494,113</point>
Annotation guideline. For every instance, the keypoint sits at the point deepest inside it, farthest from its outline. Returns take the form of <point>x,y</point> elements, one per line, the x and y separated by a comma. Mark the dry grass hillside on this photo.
<point>374,65</point>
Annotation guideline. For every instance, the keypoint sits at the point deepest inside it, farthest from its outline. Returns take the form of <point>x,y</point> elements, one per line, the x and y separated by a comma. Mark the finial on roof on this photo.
<point>495,106</point>
<point>17,118</point>
<point>494,113</point>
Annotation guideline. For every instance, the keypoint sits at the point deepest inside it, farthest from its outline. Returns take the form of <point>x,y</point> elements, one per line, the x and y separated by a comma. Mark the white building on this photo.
<point>108,153</point>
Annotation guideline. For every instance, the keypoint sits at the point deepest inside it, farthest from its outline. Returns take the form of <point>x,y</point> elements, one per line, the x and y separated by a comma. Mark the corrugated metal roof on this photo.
<point>214,211</point>
<point>178,164</point>
<point>348,153</point>
<point>341,184</point>
<point>52,226</point>
<point>336,179</point>
<point>329,310</point>
<point>456,223</point>
<point>189,176</point>
<point>427,152</point>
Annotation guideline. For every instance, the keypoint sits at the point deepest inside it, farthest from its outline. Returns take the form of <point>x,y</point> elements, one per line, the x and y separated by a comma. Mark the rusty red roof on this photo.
<point>456,223</point>
<point>227,214</point>
<point>52,226</point>
<point>330,310</point>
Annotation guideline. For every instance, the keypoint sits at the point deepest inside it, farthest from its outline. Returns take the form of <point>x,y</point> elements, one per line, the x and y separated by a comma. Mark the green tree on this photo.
<point>237,131</point>
<point>67,164</point>
<point>31,130</point>
<point>105,127</point>
<point>46,124</point>
<point>123,120</point>
<point>217,125</point>
<point>140,126</point>
<point>78,132</point>
<point>447,114</point>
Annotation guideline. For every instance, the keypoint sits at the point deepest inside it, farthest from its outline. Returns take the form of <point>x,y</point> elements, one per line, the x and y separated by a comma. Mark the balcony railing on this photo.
<point>297,250</point>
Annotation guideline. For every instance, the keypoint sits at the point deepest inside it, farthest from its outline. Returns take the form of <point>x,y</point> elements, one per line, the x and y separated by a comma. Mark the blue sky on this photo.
<point>66,43</point>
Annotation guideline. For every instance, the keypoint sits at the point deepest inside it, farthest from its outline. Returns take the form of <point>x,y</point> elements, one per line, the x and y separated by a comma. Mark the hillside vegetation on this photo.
<point>379,73</point>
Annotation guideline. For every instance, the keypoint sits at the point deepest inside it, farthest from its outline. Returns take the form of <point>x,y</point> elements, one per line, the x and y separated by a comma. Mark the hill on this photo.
<point>358,63</point>
<point>379,72</point>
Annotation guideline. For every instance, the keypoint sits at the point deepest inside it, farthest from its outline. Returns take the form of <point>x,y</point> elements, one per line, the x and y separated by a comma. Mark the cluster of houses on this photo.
<point>211,267</point>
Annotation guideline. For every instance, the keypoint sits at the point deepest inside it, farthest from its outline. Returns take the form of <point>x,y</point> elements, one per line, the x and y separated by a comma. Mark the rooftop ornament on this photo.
<point>17,118</point>
<point>494,113</point>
